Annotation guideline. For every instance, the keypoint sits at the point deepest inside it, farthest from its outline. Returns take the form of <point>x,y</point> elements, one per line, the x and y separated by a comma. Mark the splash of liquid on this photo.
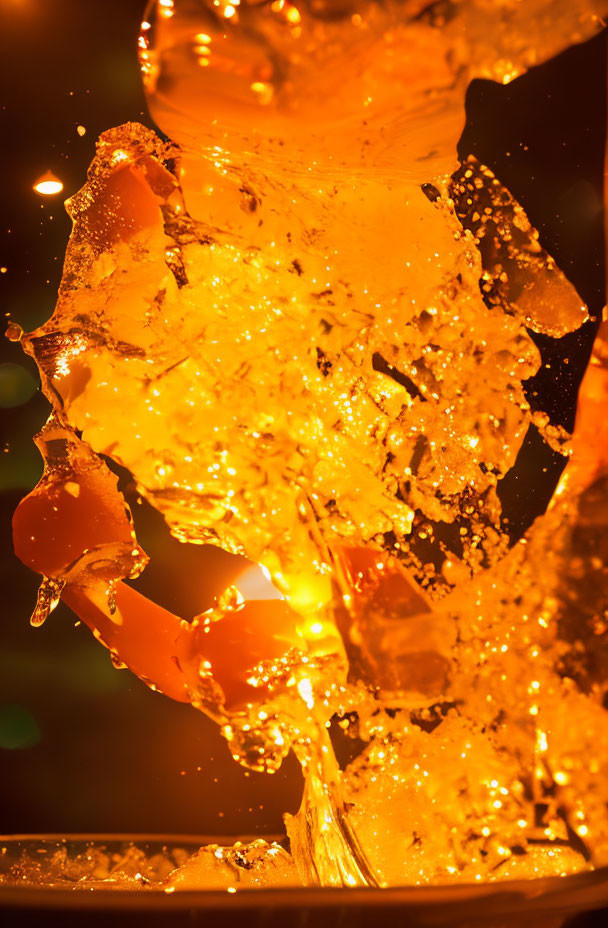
<point>321,324</point>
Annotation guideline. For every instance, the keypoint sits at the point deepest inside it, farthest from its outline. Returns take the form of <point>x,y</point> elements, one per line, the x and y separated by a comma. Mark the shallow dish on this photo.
<point>49,894</point>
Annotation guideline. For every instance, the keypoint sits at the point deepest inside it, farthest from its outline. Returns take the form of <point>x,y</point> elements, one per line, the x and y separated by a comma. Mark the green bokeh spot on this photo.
<point>18,728</point>
<point>21,467</point>
<point>17,385</point>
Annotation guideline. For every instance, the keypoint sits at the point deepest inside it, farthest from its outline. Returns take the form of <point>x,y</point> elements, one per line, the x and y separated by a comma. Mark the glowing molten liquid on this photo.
<point>305,332</point>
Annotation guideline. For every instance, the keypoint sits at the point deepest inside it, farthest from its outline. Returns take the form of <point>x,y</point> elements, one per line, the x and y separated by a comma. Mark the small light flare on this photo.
<point>166,8</point>
<point>118,156</point>
<point>263,91</point>
<point>305,691</point>
<point>266,572</point>
<point>48,185</point>
<point>254,583</point>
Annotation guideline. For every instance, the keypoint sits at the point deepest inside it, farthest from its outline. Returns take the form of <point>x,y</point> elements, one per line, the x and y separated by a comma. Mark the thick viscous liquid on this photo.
<point>322,324</point>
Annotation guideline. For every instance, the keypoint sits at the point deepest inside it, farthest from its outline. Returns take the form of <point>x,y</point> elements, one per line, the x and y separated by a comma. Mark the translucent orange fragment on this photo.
<point>590,441</point>
<point>235,646</point>
<point>382,583</point>
<point>171,655</point>
<point>124,206</point>
<point>394,639</point>
<point>143,635</point>
<point>68,514</point>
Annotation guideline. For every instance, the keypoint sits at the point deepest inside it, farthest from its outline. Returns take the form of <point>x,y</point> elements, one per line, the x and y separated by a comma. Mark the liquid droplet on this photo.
<point>14,332</point>
<point>111,598</point>
<point>117,664</point>
<point>49,594</point>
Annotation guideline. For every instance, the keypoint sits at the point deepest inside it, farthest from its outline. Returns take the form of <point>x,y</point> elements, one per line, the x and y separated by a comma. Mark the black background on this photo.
<point>93,750</point>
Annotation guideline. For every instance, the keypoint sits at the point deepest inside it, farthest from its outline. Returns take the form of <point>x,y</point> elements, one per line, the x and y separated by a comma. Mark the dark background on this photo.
<point>86,748</point>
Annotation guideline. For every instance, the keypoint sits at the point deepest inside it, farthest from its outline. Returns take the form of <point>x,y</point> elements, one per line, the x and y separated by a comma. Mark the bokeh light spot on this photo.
<point>17,385</point>
<point>18,728</point>
<point>48,185</point>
